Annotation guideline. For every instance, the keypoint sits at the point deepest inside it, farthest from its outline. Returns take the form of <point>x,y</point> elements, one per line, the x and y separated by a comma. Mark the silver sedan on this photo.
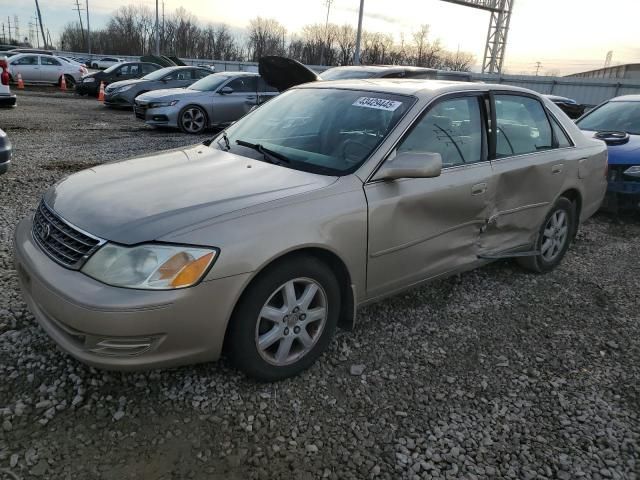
<point>331,196</point>
<point>216,100</point>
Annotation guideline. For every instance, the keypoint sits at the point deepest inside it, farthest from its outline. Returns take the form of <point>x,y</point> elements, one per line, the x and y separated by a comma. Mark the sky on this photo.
<point>565,36</point>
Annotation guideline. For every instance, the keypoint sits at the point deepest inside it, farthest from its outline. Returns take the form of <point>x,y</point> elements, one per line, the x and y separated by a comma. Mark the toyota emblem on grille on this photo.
<point>45,232</point>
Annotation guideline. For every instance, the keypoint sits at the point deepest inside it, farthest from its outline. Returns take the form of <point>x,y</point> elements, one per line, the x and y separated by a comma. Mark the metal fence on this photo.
<point>583,90</point>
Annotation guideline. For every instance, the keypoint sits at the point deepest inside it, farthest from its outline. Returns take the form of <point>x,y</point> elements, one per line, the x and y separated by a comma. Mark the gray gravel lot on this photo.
<point>496,373</point>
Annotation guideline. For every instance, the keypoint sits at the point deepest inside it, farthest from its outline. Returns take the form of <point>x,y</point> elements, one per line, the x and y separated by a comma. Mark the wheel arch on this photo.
<point>575,197</point>
<point>346,319</point>
<point>201,107</point>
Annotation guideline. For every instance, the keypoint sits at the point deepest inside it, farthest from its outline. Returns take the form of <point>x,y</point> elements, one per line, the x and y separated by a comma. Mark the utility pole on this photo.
<point>162,38</point>
<point>37,32</point>
<point>356,57</point>
<point>16,28</point>
<point>326,32</point>
<point>538,66</point>
<point>79,9</point>
<point>157,31</point>
<point>88,31</point>
<point>4,39</point>
<point>41,27</point>
<point>9,23</point>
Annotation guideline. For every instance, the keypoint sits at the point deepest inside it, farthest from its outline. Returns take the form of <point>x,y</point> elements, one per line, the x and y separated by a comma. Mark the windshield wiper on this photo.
<point>269,155</point>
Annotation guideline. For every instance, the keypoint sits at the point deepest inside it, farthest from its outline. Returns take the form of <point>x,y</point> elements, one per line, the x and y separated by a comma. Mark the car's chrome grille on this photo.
<point>63,242</point>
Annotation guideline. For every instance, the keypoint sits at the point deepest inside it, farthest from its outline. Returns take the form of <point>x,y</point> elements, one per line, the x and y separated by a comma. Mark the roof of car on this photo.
<point>382,68</point>
<point>405,86</point>
<point>626,98</point>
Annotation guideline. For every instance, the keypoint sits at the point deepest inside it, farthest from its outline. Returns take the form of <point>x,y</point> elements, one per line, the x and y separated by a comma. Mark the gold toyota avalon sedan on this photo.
<point>261,242</point>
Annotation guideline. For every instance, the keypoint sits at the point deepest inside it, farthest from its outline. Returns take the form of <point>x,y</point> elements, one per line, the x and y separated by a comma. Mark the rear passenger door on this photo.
<point>529,170</point>
<point>50,69</point>
<point>420,228</point>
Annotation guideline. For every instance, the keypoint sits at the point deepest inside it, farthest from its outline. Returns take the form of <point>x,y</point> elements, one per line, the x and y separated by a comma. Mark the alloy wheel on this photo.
<point>554,236</point>
<point>193,120</point>
<point>291,321</point>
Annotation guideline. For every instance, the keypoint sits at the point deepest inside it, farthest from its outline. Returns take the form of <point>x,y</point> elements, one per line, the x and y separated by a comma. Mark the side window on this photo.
<point>31,60</point>
<point>243,85</point>
<point>146,68</point>
<point>563,140</point>
<point>523,126</point>
<point>452,128</point>
<point>45,60</point>
<point>264,87</point>
<point>198,74</point>
<point>134,69</point>
<point>183,75</point>
<point>123,71</point>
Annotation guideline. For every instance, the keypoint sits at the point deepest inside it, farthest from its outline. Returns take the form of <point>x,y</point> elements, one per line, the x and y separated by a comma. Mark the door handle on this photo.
<point>557,168</point>
<point>479,189</point>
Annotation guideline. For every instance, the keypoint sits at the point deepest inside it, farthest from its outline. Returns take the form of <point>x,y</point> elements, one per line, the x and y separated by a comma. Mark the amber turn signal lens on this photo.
<point>192,272</point>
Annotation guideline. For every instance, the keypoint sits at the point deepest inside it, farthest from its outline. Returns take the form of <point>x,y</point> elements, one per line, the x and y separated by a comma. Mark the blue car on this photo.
<point>617,122</point>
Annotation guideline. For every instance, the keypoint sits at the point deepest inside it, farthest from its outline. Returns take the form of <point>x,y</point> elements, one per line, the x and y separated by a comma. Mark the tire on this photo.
<point>263,314</point>
<point>69,80</point>
<point>192,119</point>
<point>553,239</point>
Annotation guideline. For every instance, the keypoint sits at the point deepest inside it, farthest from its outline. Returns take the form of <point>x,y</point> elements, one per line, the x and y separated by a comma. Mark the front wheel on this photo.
<point>553,238</point>
<point>285,319</point>
<point>192,119</point>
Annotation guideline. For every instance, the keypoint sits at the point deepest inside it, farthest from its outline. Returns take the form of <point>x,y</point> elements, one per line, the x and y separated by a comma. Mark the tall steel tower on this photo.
<point>494,50</point>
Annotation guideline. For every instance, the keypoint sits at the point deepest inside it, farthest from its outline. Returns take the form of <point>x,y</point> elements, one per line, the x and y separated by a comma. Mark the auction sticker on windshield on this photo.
<point>377,103</point>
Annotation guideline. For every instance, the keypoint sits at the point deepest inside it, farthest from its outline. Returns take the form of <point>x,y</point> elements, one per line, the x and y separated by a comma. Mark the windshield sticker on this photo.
<point>377,103</point>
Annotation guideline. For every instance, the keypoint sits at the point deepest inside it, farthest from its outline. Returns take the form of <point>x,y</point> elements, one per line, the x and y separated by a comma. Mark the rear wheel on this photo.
<point>69,81</point>
<point>553,238</point>
<point>285,319</point>
<point>192,119</point>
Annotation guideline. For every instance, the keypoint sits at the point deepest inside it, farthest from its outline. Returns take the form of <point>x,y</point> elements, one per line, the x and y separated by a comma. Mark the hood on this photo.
<point>168,93</point>
<point>123,83</point>
<point>625,154</point>
<point>146,198</point>
<point>283,73</point>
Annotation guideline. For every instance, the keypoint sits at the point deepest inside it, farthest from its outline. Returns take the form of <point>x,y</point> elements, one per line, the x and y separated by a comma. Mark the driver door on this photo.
<point>229,107</point>
<point>424,227</point>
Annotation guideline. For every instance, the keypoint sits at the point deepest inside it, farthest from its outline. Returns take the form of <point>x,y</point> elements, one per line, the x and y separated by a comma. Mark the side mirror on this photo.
<point>411,165</point>
<point>225,91</point>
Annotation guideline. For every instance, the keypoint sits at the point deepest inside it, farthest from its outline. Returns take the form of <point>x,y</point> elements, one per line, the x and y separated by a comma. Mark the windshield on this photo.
<point>158,74</point>
<point>209,83</point>
<point>617,116</point>
<point>112,68</point>
<point>320,130</point>
<point>345,73</point>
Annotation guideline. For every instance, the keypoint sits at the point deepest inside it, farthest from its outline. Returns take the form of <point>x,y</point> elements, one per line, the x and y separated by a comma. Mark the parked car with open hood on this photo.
<point>568,105</point>
<point>216,100</point>
<point>124,92</point>
<point>47,69</point>
<point>90,84</point>
<point>329,196</point>
<point>617,122</point>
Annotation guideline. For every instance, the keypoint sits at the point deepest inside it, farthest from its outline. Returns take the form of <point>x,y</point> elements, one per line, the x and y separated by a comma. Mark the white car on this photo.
<point>75,63</point>
<point>48,69</point>
<point>105,62</point>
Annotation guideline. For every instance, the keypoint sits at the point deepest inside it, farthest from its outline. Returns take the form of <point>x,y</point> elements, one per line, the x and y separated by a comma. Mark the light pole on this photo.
<point>88,32</point>
<point>157,31</point>
<point>356,57</point>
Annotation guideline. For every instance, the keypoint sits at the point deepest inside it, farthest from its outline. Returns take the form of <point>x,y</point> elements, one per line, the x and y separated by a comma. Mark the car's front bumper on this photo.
<point>8,100</point>
<point>90,88</point>
<point>117,100</point>
<point>119,328</point>
<point>158,117</point>
<point>622,194</point>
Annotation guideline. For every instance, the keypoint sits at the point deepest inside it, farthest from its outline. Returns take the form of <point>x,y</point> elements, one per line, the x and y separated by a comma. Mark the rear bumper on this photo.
<point>8,101</point>
<point>118,328</point>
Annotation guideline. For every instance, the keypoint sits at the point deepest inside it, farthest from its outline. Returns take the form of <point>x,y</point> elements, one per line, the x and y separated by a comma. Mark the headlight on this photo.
<point>162,104</point>
<point>633,171</point>
<point>150,266</point>
<point>88,80</point>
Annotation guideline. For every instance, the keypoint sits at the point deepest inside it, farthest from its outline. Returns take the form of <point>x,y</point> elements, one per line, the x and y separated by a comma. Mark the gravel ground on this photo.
<point>492,374</point>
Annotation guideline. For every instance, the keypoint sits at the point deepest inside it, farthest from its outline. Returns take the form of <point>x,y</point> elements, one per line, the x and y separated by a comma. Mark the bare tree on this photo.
<point>267,36</point>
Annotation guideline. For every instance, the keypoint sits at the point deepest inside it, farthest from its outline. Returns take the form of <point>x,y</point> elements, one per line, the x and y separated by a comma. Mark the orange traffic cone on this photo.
<point>63,83</point>
<point>101,94</point>
<point>20,82</point>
